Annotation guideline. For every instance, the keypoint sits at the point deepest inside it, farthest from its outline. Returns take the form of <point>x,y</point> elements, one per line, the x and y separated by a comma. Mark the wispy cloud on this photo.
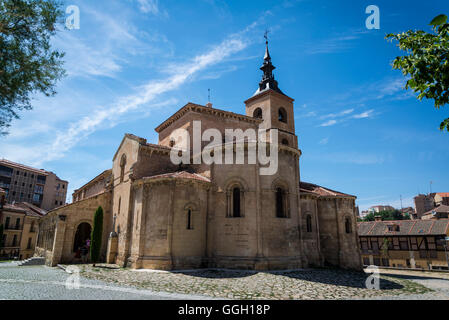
<point>338,43</point>
<point>324,141</point>
<point>145,95</point>
<point>152,7</point>
<point>336,115</point>
<point>328,123</point>
<point>364,115</point>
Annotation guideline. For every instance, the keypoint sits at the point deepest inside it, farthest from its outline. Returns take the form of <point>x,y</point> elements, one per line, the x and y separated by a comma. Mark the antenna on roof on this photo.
<point>209,104</point>
<point>431,186</point>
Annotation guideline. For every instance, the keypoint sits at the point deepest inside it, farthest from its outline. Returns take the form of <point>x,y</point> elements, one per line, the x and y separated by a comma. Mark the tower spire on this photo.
<point>268,81</point>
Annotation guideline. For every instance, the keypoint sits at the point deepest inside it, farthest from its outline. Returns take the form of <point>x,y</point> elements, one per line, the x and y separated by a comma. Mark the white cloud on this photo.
<point>338,43</point>
<point>329,123</point>
<point>324,141</point>
<point>152,7</point>
<point>108,116</point>
<point>336,115</point>
<point>364,115</point>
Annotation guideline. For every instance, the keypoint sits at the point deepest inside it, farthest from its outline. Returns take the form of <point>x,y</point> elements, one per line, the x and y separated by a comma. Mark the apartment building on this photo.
<point>20,229</point>
<point>39,187</point>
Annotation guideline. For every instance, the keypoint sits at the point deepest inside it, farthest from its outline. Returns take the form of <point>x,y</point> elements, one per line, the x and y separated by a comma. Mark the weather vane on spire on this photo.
<point>266,35</point>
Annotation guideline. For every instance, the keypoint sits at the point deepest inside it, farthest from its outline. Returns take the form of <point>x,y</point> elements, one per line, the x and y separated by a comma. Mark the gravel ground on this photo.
<point>304,284</point>
<point>44,283</point>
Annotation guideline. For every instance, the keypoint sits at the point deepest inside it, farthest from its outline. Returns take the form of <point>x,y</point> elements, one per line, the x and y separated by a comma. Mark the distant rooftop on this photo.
<point>23,167</point>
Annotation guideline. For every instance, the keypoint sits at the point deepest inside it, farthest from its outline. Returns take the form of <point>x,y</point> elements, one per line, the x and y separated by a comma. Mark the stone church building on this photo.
<point>159,215</point>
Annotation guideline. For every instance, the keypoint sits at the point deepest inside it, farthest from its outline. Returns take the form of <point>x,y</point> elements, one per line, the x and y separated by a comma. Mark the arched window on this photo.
<point>189,220</point>
<point>258,113</point>
<point>285,142</point>
<point>309,223</point>
<point>348,225</point>
<point>172,143</point>
<point>122,167</point>
<point>282,115</point>
<point>281,207</point>
<point>236,212</point>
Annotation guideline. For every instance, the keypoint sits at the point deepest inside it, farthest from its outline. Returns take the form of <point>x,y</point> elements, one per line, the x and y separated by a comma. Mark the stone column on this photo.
<point>111,253</point>
<point>58,243</point>
<point>112,250</point>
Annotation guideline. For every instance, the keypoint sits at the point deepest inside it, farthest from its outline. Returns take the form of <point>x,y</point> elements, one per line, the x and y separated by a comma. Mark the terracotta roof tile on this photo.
<point>179,175</point>
<point>406,227</point>
<point>321,191</point>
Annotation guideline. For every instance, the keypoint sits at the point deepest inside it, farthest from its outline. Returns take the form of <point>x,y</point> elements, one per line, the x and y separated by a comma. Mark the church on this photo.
<point>163,215</point>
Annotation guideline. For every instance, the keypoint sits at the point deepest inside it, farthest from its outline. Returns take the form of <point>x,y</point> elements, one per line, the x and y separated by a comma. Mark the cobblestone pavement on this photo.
<point>44,283</point>
<point>110,282</point>
<point>304,284</point>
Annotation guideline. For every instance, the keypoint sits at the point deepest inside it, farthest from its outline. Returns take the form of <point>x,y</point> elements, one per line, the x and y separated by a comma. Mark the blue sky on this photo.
<point>133,63</point>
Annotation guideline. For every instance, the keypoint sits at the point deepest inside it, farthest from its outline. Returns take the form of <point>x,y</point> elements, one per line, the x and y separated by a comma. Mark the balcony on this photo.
<point>4,185</point>
<point>13,228</point>
<point>5,173</point>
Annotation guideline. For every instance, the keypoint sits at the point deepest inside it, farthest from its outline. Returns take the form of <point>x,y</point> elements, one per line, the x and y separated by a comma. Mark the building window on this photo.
<point>122,167</point>
<point>285,142</point>
<point>189,220</point>
<point>281,203</point>
<point>309,223</point>
<point>14,241</point>
<point>348,225</point>
<point>7,222</point>
<point>17,223</point>
<point>32,227</point>
<point>236,212</point>
<point>282,115</point>
<point>172,143</point>
<point>29,243</point>
<point>258,113</point>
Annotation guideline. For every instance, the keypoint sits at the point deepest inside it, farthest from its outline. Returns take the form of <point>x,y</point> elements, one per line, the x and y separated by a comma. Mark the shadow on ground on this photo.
<point>335,277</point>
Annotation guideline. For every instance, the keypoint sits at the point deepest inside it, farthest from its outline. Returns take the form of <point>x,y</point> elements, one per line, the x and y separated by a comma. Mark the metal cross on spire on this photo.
<point>266,35</point>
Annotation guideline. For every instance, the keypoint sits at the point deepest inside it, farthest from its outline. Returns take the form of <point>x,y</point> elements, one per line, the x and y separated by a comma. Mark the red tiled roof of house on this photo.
<point>406,228</point>
<point>443,194</point>
<point>321,191</point>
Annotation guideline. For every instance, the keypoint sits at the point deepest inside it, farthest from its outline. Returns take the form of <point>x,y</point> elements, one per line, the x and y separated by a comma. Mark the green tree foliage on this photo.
<point>426,62</point>
<point>387,215</point>
<point>96,236</point>
<point>27,63</point>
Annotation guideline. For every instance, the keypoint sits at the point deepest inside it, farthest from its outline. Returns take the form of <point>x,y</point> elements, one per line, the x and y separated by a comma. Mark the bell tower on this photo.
<point>272,105</point>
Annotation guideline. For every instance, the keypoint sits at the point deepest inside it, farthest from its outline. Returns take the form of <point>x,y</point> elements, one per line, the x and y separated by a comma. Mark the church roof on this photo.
<point>178,175</point>
<point>317,190</point>
<point>193,107</point>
